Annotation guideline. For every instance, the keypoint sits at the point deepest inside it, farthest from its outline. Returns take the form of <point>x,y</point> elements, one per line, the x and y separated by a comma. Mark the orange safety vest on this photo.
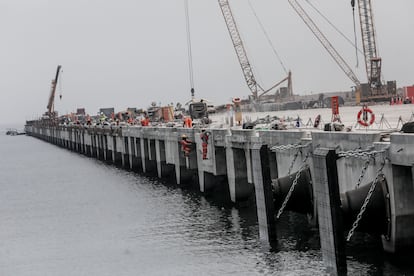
<point>186,147</point>
<point>188,122</point>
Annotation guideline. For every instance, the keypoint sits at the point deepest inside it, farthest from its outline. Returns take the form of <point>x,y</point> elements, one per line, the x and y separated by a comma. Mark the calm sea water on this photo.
<point>65,214</point>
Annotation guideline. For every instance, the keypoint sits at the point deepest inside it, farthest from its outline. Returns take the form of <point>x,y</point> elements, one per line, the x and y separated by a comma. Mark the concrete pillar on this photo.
<point>88,144</point>
<point>158,157</point>
<point>264,195</point>
<point>131,152</point>
<point>329,211</point>
<point>111,149</point>
<point>237,173</point>
<point>137,164</point>
<point>143,152</point>
<point>102,146</point>
<point>118,151</point>
<point>273,165</point>
<point>125,152</point>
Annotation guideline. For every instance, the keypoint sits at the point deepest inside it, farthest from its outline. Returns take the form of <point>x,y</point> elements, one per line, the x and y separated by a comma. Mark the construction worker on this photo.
<point>204,135</point>
<point>185,145</point>
<point>237,111</point>
<point>145,121</point>
<point>188,123</point>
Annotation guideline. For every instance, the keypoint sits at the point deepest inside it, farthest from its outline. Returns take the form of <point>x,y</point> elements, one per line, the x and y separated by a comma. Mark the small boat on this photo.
<point>14,132</point>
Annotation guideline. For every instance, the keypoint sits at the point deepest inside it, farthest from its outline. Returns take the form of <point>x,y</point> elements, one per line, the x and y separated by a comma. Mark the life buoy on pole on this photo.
<point>363,117</point>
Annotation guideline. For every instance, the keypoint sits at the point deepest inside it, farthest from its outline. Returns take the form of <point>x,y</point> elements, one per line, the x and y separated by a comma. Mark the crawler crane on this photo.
<point>246,67</point>
<point>51,103</point>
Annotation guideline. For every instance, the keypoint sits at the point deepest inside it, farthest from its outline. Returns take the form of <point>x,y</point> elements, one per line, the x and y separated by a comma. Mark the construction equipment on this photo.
<point>373,90</point>
<point>372,61</point>
<point>242,55</point>
<point>50,106</point>
<point>325,42</point>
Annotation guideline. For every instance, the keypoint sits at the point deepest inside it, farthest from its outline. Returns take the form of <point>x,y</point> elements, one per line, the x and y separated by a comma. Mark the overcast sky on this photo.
<point>128,53</point>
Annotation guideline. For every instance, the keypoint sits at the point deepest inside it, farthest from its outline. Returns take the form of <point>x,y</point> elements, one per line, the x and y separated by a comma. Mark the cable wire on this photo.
<point>267,37</point>
<point>355,37</point>
<point>333,26</point>
<point>189,52</point>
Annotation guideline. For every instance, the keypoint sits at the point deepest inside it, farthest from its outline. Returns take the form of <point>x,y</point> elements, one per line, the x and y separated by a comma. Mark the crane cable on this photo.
<point>333,26</point>
<point>355,34</point>
<point>267,37</point>
<point>189,52</point>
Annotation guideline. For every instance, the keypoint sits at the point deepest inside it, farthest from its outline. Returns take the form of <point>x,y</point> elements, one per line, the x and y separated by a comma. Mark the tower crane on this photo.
<point>51,102</point>
<point>254,87</point>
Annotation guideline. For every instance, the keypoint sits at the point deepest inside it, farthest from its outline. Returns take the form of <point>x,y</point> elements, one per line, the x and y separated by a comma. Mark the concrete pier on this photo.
<point>246,163</point>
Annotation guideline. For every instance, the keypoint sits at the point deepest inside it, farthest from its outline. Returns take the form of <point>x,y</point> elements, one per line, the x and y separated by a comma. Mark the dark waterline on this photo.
<point>66,214</point>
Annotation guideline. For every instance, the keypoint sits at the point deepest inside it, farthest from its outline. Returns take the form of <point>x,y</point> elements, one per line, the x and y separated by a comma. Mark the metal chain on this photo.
<point>290,146</point>
<point>360,153</point>
<point>361,176</point>
<point>293,161</point>
<point>292,188</point>
<point>366,201</point>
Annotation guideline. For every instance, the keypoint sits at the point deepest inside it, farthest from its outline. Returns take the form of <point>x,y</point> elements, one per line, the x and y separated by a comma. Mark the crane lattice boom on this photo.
<point>372,61</point>
<point>238,46</point>
<point>50,104</point>
<point>324,41</point>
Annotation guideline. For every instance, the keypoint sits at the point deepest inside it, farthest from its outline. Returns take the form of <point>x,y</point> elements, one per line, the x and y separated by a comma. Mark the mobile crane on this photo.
<point>254,87</point>
<point>51,103</point>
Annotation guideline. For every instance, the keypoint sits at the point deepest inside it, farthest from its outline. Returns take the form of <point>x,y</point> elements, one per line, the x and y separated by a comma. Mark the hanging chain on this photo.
<point>289,146</point>
<point>366,201</point>
<point>293,161</point>
<point>361,176</point>
<point>360,153</point>
<point>292,188</point>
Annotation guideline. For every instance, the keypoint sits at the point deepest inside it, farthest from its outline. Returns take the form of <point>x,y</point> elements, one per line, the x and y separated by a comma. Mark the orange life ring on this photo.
<point>365,122</point>
<point>236,100</point>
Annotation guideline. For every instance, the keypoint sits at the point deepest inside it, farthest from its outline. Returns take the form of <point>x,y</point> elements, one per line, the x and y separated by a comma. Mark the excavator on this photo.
<point>51,114</point>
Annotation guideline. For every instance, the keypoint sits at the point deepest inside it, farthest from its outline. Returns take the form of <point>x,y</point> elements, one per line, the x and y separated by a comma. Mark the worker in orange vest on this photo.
<point>188,122</point>
<point>145,121</point>
<point>204,135</point>
<point>185,145</point>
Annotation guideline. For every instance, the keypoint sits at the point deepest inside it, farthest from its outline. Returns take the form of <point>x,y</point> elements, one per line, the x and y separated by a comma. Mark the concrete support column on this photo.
<point>88,144</point>
<point>264,195</point>
<point>111,150</point>
<point>96,146</point>
<point>158,157</point>
<point>248,163</point>
<point>131,152</point>
<point>125,152</point>
<point>237,173</point>
<point>98,149</point>
<point>118,151</point>
<point>105,146</point>
<point>143,153</point>
<point>329,211</point>
<point>137,164</point>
